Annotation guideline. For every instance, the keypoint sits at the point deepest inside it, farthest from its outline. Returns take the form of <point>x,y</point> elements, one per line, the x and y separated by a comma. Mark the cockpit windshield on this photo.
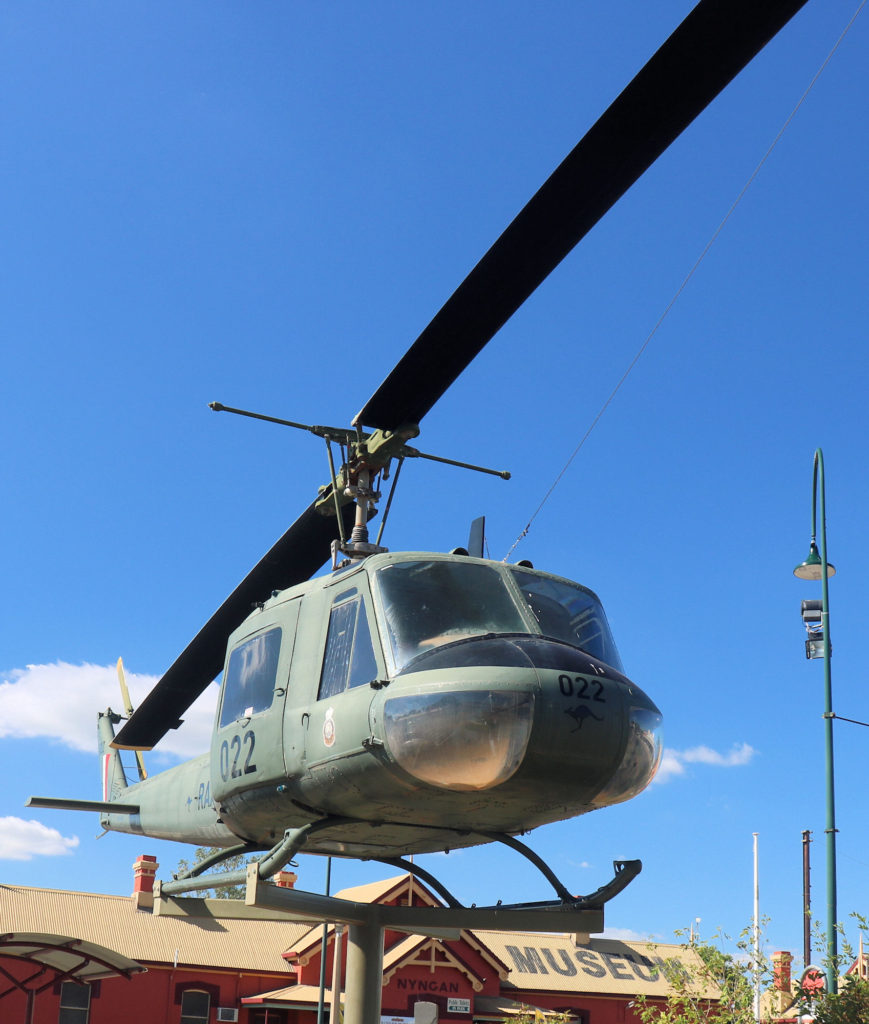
<point>566,611</point>
<point>429,602</point>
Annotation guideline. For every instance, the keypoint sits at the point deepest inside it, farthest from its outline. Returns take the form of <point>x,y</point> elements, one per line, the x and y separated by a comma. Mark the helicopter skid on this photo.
<point>296,840</point>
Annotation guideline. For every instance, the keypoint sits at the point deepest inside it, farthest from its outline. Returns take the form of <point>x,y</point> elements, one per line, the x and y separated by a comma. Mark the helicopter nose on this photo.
<point>644,745</point>
<point>552,721</point>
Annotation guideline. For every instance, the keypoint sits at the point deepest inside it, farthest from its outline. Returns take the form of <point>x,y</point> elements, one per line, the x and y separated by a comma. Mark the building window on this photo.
<point>268,1017</point>
<point>75,1001</point>
<point>195,1006</point>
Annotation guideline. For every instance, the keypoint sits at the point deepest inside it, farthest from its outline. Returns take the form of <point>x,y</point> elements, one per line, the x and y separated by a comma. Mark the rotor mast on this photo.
<point>366,459</point>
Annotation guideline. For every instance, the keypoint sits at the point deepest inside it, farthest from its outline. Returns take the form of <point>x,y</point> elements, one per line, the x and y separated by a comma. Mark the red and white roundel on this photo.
<point>329,728</point>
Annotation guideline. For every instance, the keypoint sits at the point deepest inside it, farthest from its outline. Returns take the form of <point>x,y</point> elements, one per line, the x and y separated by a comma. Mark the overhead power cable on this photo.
<point>853,721</point>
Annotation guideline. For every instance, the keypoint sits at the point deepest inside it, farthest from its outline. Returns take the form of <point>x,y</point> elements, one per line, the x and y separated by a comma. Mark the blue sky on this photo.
<point>264,204</point>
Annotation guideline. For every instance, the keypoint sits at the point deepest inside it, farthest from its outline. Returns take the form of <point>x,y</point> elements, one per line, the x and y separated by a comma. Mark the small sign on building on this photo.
<point>458,1006</point>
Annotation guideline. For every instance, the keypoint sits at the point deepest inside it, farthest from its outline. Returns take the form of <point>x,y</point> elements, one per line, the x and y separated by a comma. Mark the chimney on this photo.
<point>144,870</point>
<point>781,971</point>
<point>286,879</point>
<point>781,974</point>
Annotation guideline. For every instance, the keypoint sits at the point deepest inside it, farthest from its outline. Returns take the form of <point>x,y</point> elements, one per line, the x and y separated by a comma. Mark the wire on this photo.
<point>853,721</point>
<point>687,278</point>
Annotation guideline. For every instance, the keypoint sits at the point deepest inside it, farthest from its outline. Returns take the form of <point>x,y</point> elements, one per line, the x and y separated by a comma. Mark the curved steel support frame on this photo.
<point>366,922</point>
<point>280,854</point>
<point>241,850</point>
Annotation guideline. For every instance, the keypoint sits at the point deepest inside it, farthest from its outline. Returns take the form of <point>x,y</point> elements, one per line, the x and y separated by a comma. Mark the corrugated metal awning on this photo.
<point>496,1008</point>
<point>72,959</point>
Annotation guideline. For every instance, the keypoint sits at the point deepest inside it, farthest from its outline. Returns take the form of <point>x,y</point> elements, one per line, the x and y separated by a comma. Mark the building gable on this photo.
<point>429,956</point>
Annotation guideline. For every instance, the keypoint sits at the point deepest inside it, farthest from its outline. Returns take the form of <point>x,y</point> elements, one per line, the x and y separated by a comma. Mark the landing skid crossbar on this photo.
<point>294,840</point>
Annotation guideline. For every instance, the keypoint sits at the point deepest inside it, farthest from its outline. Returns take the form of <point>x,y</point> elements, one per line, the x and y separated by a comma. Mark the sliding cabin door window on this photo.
<point>349,657</point>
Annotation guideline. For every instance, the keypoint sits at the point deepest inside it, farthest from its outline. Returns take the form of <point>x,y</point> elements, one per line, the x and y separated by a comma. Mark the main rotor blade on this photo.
<point>700,58</point>
<point>294,558</point>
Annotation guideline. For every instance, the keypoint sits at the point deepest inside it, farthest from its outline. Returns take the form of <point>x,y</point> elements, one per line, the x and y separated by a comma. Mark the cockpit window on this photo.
<point>569,612</point>
<point>429,603</point>
<point>250,677</point>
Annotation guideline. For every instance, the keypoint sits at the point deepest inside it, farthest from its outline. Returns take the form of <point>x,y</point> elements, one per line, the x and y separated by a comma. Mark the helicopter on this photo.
<point>411,702</point>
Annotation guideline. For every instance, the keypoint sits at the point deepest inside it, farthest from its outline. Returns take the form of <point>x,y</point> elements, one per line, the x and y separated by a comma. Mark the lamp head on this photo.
<point>812,568</point>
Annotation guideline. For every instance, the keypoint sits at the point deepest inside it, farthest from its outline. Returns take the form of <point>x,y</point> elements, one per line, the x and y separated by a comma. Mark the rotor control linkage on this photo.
<point>413,453</point>
<point>347,435</point>
<point>351,437</point>
<point>366,457</point>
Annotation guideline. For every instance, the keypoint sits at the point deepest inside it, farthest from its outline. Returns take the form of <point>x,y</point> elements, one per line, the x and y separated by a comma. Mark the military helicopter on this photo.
<point>412,702</point>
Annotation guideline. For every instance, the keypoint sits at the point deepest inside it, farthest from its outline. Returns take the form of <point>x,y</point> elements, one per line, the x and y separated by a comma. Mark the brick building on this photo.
<point>223,961</point>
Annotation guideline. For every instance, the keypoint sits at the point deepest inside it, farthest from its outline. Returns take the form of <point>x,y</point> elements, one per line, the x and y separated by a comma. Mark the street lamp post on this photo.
<point>816,567</point>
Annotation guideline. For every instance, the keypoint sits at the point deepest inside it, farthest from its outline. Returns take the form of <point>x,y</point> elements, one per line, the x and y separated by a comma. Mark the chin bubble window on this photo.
<point>462,740</point>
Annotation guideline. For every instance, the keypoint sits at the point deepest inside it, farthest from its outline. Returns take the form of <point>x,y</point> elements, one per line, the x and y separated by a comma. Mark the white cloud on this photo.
<point>670,766</point>
<point>740,754</point>
<point>673,762</point>
<point>24,840</point>
<point>59,702</point>
<point>626,935</point>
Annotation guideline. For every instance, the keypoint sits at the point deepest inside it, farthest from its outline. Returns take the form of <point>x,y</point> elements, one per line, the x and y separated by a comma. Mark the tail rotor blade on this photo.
<point>128,708</point>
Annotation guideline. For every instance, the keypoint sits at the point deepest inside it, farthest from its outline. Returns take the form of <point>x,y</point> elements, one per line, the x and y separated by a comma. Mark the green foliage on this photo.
<point>849,1006</point>
<point>689,1001</point>
<point>719,987</point>
<point>528,1015</point>
<point>229,892</point>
